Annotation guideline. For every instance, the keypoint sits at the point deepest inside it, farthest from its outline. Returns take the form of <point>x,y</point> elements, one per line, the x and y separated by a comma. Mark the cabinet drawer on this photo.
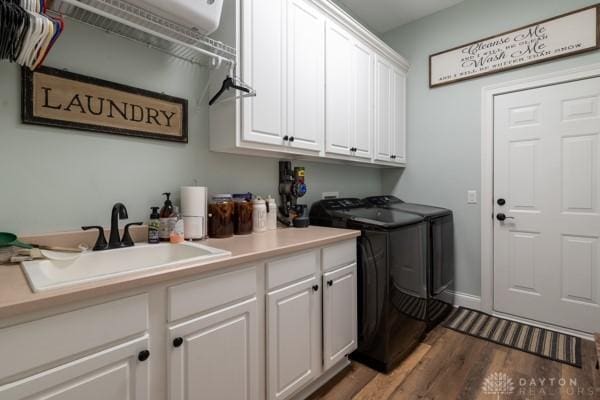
<point>204,294</point>
<point>292,268</point>
<point>38,343</point>
<point>339,254</point>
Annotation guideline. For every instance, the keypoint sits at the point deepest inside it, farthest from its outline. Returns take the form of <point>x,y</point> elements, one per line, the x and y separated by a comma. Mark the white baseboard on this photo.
<point>460,299</point>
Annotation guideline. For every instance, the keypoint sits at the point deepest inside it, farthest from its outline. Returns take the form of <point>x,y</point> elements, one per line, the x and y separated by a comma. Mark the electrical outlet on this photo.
<point>330,195</point>
<point>472,197</point>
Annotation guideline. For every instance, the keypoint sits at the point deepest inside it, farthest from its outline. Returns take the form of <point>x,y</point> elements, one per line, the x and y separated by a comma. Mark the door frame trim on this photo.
<point>487,161</point>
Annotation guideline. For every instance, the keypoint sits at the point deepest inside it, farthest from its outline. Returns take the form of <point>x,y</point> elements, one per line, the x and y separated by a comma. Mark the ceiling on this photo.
<point>385,15</point>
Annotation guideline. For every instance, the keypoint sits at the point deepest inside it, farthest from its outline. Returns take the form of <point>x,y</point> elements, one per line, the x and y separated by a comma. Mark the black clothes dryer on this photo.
<point>440,240</point>
<point>394,309</point>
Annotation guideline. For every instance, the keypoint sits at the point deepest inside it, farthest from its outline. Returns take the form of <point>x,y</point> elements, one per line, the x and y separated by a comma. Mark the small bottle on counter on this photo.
<point>166,219</point>
<point>259,215</point>
<point>154,226</point>
<point>271,213</point>
<point>177,234</point>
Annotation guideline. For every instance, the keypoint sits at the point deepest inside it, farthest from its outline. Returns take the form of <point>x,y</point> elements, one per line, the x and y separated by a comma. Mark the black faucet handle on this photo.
<point>127,240</point>
<point>101,241</point>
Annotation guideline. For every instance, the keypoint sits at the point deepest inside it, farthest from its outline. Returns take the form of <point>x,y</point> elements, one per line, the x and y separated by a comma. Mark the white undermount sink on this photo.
<point>97,265</point>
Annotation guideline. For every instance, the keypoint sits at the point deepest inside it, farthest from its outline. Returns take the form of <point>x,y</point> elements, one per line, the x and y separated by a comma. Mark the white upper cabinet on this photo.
<point>362,97</point>
<point>339,92</point>
<point>263,67</point>
<point>349,93</point>
<point>399,116</point>
<point>390,113</point>
<point>325,86</point>
<point>305,79</point>
<point>383,110</point>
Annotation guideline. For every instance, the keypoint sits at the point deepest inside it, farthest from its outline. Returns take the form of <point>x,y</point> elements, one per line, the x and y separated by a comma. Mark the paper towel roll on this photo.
<point>193,201</point>
<point>194,228</point>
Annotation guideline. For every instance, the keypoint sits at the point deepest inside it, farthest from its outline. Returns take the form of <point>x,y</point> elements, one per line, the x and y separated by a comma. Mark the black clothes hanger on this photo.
<point>228,83</point>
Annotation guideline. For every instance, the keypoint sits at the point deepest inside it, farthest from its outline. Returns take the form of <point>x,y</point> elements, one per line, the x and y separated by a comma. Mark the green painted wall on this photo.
<point>56,179</point>
<point>444,124</point>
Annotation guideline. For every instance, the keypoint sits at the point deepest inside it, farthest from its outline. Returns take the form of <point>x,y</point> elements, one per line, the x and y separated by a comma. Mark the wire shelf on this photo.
<point>142,26</point>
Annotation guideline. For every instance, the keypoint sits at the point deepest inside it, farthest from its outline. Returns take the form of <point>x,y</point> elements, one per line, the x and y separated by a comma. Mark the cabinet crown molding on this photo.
<point>342,17</point>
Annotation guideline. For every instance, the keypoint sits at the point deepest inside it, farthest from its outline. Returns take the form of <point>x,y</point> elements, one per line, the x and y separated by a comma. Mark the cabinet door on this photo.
<point>383,110</point>
<point>306,70</point>
<point>264,63</point>
<point>115,373</point>
<point>339,314</point>
<point>362,97</point>
<point>339,90</point>
<point>399,116</point>
<point>293,337</point>
<point>215,356</point>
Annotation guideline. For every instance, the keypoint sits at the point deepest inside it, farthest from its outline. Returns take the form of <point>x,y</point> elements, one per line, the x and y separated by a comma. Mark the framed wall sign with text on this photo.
<point>562,36</point>
<point>53,97</point>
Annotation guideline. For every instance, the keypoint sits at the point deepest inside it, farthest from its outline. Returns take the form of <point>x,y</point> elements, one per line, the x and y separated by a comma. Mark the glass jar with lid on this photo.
<point>220,216</point>
<point>242,217</point>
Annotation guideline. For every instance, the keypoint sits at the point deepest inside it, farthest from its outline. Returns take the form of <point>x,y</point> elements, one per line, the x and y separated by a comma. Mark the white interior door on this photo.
<point>546,169</point>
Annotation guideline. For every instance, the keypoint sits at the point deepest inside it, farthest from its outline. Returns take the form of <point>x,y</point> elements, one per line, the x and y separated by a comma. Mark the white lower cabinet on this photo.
<point>215,356</point>
<point>117,373</point>
<point>270,330</point>
<point>339,314</point>
<point>293,337</point>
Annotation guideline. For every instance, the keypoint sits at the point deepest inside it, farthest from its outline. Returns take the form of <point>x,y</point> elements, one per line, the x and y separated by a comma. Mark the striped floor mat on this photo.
<point>541,342</point>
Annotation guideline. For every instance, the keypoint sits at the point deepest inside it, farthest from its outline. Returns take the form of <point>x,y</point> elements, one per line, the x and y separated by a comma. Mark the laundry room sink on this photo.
<point>98,265</point>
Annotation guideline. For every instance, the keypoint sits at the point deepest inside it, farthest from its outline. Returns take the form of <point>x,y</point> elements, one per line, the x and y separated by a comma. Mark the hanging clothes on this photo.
<point>26,33</point>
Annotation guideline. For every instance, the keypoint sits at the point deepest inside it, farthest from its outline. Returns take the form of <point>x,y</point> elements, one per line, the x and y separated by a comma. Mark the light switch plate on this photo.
<point>472,197</point>
<point>330,195</point>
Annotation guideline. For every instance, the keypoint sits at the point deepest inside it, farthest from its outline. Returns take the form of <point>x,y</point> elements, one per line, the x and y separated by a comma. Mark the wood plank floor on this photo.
<point>450,365</point>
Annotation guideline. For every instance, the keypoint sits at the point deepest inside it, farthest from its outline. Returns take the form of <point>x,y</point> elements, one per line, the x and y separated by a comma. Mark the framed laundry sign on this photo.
<point>562,36</point>
<point>53,97</point>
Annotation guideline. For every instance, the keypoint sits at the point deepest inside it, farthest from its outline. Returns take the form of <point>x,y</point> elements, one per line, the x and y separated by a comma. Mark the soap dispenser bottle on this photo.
<point>166,218</point>
<point>154,226</point>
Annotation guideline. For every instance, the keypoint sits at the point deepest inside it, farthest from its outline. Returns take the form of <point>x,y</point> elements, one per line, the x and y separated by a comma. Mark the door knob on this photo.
<point>291,138</point>
<point>503,217</point>
<point>315,288</point>
<point>330,283</point>
<point>177,342</point>
<point>501,202</point>
<point>286,138</point>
